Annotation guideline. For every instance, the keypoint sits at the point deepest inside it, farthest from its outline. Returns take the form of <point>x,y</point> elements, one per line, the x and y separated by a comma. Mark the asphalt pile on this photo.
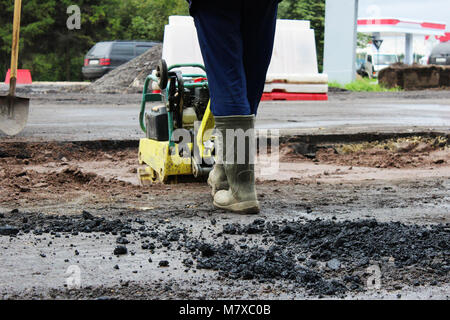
<point>325,257</point>
<point>265,265</point>
<point>129,77</point>
<point>358,242</point>
<point>39,224</point>
<point>415,77</point>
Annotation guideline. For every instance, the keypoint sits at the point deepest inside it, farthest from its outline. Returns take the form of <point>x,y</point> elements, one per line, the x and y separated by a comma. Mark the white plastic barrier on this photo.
<point>296,88</point>
<point>294,59</point>
<point>297,78</point>
<point>294,49</point>
<point>181,43</point>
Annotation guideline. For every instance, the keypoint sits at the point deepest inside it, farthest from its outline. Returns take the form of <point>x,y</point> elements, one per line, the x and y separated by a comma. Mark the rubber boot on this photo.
<point>238,162</point>
<point>217,178</point>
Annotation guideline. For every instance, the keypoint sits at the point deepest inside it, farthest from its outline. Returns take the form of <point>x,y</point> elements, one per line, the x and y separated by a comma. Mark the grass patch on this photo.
<point>363,85</point>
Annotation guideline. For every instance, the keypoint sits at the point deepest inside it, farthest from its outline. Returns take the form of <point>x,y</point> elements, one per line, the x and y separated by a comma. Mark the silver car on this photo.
<point>440,54</point>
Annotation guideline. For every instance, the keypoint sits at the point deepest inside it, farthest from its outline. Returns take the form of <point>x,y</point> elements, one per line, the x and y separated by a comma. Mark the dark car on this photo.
<point>364,67</point>
<point>361,68</point>
<point>440,54</point>
<point>108,55</point>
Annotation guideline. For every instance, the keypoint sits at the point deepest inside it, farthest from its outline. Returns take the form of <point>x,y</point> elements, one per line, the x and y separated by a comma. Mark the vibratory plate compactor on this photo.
<point>179,140</point>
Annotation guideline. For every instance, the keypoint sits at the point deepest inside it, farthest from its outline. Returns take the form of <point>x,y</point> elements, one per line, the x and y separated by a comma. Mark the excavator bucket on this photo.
<point>13,114</point>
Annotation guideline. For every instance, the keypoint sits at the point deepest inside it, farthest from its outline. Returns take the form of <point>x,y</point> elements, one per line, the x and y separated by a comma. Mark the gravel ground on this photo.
<point>337,221</point>
<point>317,236</point>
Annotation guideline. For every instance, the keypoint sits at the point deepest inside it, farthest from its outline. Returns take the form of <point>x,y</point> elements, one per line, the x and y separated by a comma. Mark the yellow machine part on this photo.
<point>163,161</point>
<point>205,132</point>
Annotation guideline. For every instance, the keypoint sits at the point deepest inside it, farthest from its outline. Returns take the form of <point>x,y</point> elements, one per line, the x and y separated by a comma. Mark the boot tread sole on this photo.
<point>246,207</point>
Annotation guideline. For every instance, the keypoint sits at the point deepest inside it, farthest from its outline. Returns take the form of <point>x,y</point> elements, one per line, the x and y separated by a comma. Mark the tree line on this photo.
<point>55,53</point>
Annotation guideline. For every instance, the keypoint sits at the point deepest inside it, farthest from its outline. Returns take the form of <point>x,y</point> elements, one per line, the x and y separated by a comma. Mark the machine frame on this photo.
<point>165,161</point>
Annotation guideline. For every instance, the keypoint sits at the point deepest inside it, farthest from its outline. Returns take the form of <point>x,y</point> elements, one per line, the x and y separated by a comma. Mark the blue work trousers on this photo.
<point>236,39</point>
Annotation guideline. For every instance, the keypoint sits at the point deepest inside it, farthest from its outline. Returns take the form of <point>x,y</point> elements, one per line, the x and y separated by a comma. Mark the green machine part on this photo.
<point>155,97</point>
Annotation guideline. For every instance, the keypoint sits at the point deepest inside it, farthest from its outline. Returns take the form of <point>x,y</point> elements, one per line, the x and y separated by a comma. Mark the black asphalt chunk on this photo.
<point>84,223</point>
<point>7,230</point>
<point>122,240</point>
<point>164,263</point>
<point>207,250</point>
<point>120,250</point>
<point>86,215</point>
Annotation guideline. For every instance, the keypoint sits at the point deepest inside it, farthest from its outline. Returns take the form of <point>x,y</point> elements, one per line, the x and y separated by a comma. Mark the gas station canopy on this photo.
<point>401,26</point>
<point>408,28</point>
<point>342,25</point>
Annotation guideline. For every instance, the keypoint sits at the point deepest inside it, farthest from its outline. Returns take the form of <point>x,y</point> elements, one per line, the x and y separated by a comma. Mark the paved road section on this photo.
<point>63,117</point>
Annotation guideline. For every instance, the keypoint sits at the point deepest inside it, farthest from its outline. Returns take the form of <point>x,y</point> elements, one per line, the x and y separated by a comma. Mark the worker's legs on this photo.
<point>258,33</point>
<point>236,39</point>
<point>218,30</point>
<point>219,25</point>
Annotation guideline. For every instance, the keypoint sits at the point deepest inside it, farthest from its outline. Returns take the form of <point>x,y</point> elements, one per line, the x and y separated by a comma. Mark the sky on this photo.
<point>425,10</point>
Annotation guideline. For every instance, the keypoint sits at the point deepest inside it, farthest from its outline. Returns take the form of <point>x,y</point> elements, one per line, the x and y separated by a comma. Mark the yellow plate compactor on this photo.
<point>178,126</point>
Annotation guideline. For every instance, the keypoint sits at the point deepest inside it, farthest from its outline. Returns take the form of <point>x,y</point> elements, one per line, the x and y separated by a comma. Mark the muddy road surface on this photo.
<point>359,221</point>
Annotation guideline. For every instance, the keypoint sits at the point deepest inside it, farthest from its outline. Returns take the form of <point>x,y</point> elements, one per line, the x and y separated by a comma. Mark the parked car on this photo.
<point>440,54</point>
<point>108,55</point>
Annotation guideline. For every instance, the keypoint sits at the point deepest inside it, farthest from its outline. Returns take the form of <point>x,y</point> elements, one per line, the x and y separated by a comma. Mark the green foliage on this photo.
<point>55,53</point>
<point>312,10</point>
<point>42,64</point>
<point>363,40</point>
<point>334,84</point>
<point>363,85</point>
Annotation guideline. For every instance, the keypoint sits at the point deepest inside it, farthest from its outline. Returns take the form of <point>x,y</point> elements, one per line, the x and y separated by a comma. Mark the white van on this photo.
<point>381,61</point>
<point>369,65</point>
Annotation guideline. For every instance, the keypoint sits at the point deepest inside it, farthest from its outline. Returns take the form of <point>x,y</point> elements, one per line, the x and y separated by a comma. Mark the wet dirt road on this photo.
<point>74,215</point>
<point>337,221</point>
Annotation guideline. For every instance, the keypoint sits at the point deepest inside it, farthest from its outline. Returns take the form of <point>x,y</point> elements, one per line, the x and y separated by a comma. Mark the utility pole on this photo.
<point>409,52</point>
<point>341,17</point>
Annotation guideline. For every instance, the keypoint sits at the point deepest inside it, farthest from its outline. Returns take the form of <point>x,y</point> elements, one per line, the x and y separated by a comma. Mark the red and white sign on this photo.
<point>393,25</point>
